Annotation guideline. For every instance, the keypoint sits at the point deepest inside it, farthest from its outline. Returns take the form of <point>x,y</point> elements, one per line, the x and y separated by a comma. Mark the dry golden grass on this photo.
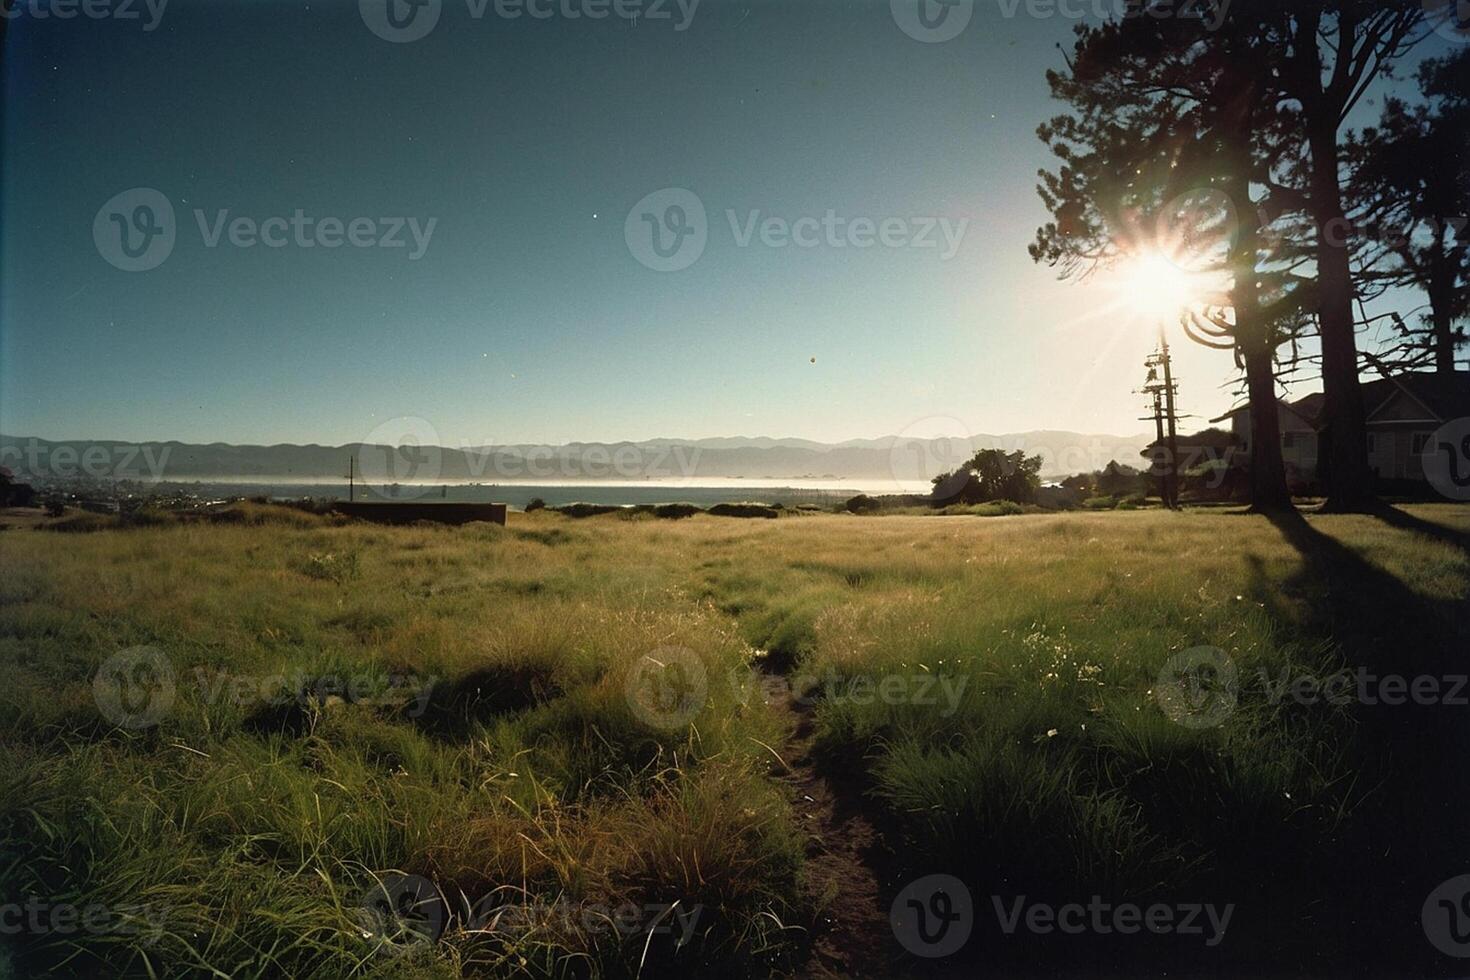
<point>255,826</point>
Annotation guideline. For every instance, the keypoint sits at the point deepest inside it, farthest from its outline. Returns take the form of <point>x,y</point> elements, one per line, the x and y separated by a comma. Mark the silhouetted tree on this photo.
<point>1317,59</point>
<point>991,474</point>
<point>1164,154</point>
<point>1119,480</point>
<point>1410,192</point>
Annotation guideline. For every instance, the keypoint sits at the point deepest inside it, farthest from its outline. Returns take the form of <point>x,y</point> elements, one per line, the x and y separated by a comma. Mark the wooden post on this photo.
<point>1172,418</point>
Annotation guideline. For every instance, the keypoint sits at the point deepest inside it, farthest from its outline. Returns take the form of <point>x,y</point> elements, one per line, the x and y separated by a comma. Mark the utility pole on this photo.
<point>1172,416</point>
<point>1158,417</point>
<point>1162,389</point>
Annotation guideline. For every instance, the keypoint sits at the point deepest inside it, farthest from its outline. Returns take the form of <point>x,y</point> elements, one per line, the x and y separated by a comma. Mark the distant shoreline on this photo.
<point>625,493</point>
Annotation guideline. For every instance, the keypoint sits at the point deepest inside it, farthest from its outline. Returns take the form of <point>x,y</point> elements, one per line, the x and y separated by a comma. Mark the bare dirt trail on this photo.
<point>846,856</point>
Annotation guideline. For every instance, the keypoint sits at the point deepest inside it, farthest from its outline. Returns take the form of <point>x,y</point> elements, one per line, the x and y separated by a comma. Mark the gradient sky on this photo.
<point>528,319</point>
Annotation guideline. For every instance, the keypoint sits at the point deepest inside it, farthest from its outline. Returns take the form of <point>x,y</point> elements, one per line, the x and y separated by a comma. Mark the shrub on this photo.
<point>586,510</point>
<point>743,510</point>
<point>82,523</point>
<point>253,513</point>
<point>332,567</point>
<point>310,505</point>
<point>535,503</point>
<point>147,517</point>
<point>1100,503</point>
<point>863,504</point>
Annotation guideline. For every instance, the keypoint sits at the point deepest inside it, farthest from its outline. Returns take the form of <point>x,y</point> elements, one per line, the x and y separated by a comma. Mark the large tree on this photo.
<point>1320,58</point>
<point>989,475</point>
<point>1410,191</point>
<point>1166,134</point>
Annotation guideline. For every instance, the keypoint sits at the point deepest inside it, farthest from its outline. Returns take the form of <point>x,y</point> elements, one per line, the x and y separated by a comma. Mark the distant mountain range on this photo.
<point>890,458</point>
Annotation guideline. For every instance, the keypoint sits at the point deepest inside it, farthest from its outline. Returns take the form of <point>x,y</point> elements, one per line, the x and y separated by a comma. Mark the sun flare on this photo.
<point>1157,288</point>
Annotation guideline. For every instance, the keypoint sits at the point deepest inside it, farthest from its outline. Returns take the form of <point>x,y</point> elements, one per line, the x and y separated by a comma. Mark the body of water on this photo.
<point>703,494</point>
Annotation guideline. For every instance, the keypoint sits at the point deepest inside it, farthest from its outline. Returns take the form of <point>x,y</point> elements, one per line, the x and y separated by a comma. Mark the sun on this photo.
<point>1157,288</point>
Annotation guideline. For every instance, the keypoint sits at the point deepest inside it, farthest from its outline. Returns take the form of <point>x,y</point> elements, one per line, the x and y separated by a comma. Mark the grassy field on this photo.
<point>230,740</point>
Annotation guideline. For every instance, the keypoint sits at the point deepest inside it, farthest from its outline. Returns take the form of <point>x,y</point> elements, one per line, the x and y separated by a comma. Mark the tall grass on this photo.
<point>489,742</point>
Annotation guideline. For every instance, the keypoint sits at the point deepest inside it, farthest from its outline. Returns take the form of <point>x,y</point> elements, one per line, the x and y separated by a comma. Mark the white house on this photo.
<point>1402,413</point>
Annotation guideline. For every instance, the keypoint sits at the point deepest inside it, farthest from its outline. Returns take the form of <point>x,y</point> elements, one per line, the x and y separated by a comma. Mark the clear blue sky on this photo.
<point>527,318</point>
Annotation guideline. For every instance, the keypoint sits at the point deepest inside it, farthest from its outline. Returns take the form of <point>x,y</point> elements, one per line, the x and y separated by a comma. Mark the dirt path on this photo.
<point>845,854</point>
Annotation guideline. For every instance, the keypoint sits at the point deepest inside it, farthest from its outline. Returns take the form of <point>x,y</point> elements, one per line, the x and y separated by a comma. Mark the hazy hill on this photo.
<point>887,458</point>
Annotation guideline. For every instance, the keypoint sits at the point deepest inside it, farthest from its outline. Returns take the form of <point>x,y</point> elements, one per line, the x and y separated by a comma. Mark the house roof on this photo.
<point>1286,406</point>
<point>1446,395</point>
<point>1216,439</point>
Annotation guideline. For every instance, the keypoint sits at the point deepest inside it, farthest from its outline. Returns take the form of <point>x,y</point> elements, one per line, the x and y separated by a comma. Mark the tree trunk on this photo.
<point>1344,449</point>
<point>1255,340</point>
<point>1444,328</point>
<point>1444,343</point>
<point>1268,471</point>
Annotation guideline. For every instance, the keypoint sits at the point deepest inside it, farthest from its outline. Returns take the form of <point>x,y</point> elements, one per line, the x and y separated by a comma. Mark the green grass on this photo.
<point>246,826</point>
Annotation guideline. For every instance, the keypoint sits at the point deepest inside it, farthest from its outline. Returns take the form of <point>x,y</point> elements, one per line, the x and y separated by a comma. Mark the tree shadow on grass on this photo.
<point>1407,655</point>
